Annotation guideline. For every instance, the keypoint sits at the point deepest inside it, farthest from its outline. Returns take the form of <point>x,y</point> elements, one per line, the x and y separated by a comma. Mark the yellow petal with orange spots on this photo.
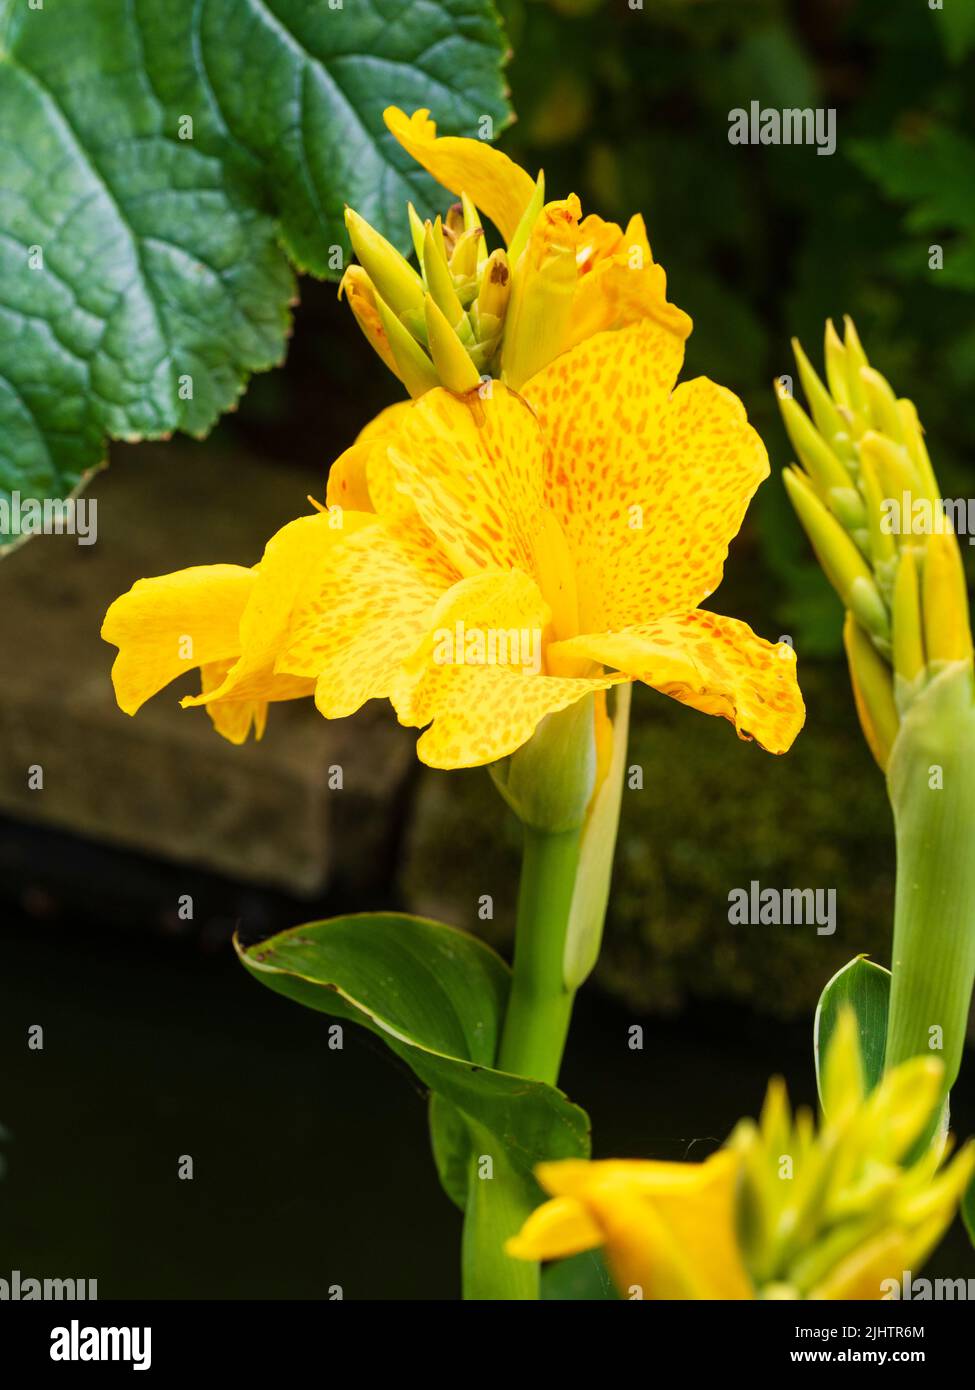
<point>495,618</point>
<point>293,560</point>
<point>363,478</point>
<point>619,282</point>
<point>474,470</point>
<point>493,182</point>
<point>367,611</point>
<point>482,713</point>
<point>650,486</point>
<point>166,626</point>
<point>715,664</point>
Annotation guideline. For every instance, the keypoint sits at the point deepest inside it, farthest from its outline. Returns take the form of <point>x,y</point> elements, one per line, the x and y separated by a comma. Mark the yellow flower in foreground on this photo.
<point>781,1211</point>
<point>519,554</point>
<point>560,279</point>
<point>668,1228</point>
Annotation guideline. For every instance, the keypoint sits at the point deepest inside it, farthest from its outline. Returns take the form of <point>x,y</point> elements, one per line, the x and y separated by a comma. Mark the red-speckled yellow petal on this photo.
<point>366,613</point>
<point>482,713</point>
<point>474,470</point>
<point>715,664</point>
<point>650,486</point>
<point>493,182</point>
<point>166,626</point>
<point>619,283</point>
<point>363,479</point>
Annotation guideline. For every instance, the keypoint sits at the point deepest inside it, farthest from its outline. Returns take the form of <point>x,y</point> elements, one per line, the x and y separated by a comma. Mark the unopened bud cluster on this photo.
<point>905,596</point>
<point>441,324</point>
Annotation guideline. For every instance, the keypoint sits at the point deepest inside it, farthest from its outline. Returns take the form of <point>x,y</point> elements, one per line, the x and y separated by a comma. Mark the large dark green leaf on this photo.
<point>864,987</point>
<point>152,155</point>
<point>436,996</point>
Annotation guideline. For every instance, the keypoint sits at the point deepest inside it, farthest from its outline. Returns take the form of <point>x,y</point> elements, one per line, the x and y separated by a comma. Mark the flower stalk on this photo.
<point>869,501</point>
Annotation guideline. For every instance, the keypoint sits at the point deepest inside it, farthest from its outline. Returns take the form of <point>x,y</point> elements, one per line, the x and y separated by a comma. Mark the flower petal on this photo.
<point>233,719</point>
<point>554,1230</point>
<point>363,479</point>
<point>169,624</point>
<point>493,182</point>
<point>365,614</point>
<point>620,283</point>
<point>293,559</point>
<point>650,487</point>
<point>678,1242</point>
<point>474,468</point>
<point>712,663</point>
<point>482,713</point>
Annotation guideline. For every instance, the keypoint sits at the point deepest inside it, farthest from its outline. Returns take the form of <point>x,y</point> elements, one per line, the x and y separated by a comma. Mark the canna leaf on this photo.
<point>437,997</point>
<point>865,987</point>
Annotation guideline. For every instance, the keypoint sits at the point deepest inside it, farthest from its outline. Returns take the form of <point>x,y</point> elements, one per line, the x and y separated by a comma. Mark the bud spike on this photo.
<point>873,691</point>
<point>947,628</point>
<point>394,278</point>
<point>414,367</point>
<point>454,366</point>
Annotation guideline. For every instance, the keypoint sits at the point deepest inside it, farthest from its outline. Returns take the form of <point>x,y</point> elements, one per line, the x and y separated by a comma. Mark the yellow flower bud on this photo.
<point>947,629</point>
<point>908,634</point>
<point>873,691</point>
<point>454,367</point>
<point>361,297</point>
<point>839,557</point>
<point>393,276</point>
<point>413,366</point>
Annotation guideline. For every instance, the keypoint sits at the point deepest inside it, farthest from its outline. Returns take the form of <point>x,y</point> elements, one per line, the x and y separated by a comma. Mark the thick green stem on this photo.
<point>561,904</point>
<point>540,1006</point>
<point>535,1030</point>
<point>497,1207</point>
<point>931,779</point>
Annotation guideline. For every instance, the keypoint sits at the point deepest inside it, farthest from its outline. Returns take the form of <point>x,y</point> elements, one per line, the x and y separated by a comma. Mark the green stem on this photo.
<point>532,1043</point>
<point>931,779</point>
<point>562,900</point>
<point>539,1008</point>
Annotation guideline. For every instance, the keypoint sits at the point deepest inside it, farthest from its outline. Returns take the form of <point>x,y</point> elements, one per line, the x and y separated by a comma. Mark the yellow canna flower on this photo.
<point>562,277</point>
<point>491,559</point>
<point>667,1228</point>
<point>780,1211</point>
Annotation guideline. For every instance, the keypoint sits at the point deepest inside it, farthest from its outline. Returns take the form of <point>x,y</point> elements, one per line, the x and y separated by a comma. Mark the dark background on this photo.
<point>311,1166</point>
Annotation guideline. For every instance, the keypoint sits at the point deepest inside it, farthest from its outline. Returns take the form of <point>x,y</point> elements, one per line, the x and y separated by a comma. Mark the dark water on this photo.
<point>310,1166</point>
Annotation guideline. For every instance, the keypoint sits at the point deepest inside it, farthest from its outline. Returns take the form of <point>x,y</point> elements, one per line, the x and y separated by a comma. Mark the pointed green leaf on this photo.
<point>436,996</point>
<point>866,988</point>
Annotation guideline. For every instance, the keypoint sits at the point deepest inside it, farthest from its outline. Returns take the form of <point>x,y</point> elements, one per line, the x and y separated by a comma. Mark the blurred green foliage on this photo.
<point>629,108</point>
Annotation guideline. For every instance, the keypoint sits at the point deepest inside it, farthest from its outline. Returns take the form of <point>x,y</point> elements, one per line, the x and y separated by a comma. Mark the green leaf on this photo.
<point>956,20</point>
<point>436,996</point>
<point>866,988</point>
<point>580,1277</point>
<point>153,155</point>
<point>933,172</point>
